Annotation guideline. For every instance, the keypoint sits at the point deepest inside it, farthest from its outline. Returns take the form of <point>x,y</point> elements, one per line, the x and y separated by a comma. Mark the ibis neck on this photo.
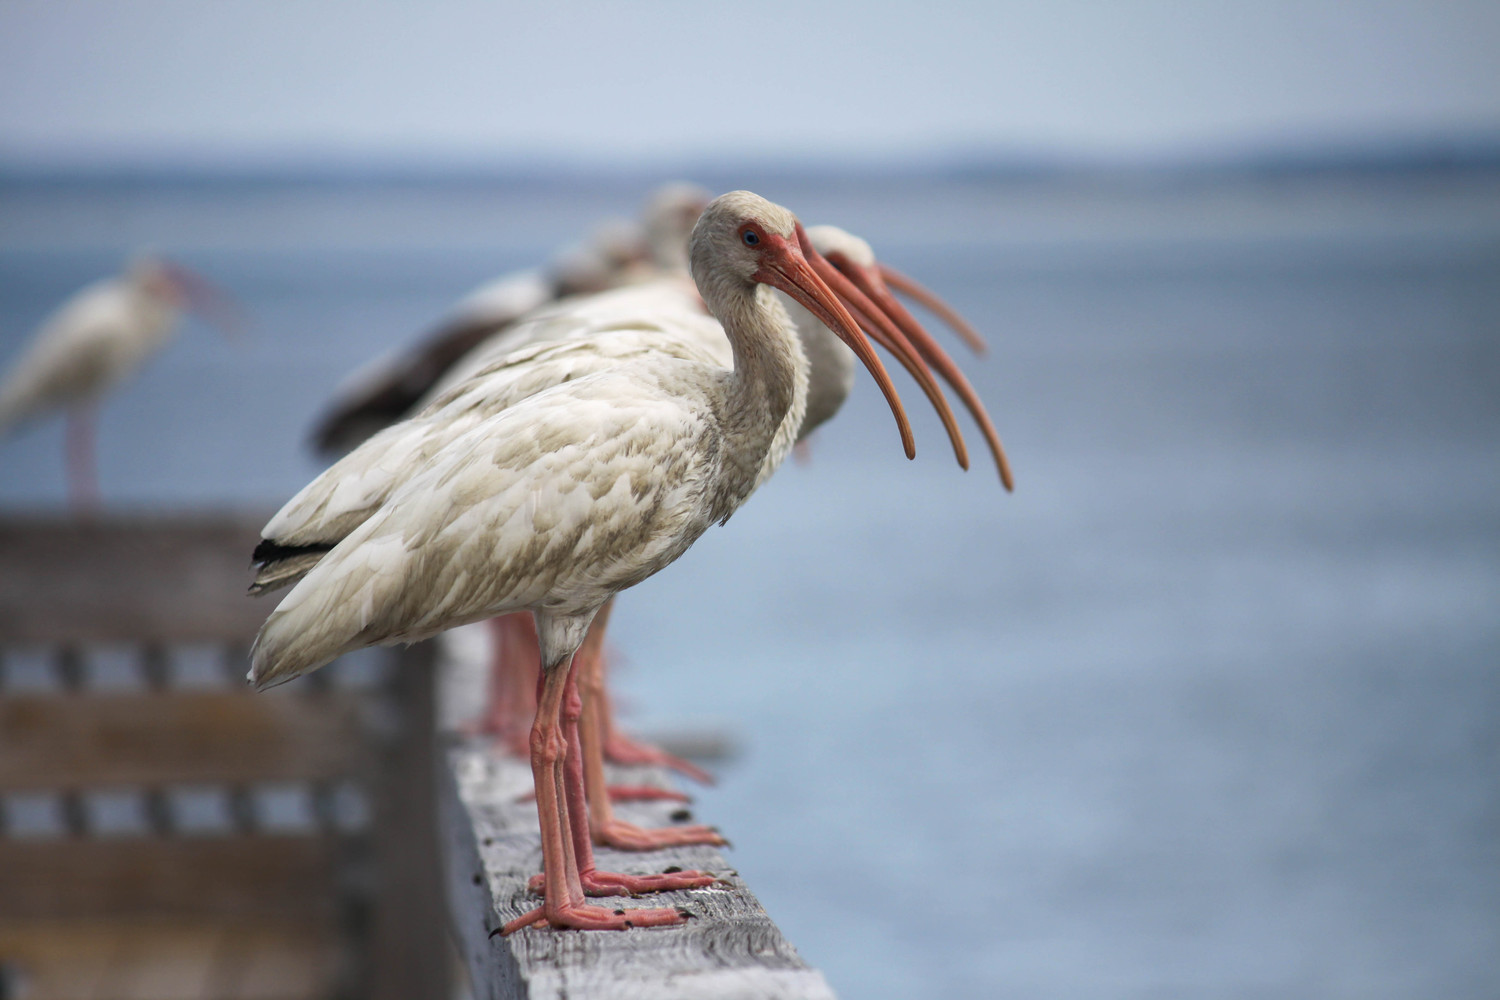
<point>830,366</point>
<point>766,393</point>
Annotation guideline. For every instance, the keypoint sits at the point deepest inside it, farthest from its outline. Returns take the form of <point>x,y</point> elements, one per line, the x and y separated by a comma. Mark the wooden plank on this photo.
<point>59,960</point>
<point>281,961</point>
<point>409,951</point>
<point>89,740</point>
<point>492,846</point>
<point>151,965</point>
<point>154,959</point>
<point>113,577</point>
<point>236,875</point>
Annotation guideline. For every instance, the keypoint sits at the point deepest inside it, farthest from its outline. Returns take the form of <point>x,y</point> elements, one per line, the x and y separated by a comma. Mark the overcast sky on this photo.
<point>613,82</point>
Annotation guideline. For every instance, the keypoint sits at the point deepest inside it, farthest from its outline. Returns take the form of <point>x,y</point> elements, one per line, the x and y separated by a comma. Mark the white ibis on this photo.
<point>555,344</point>
<point>575,493</point>
<point>94,341</point>
<point>830,377</point>
<point>485,326</point>
<point>618,253</point>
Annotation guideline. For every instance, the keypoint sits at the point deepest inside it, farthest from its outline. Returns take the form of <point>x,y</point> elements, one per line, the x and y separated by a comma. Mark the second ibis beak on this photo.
<point>906,286</point>
<point>884,332</point>
<point>786,268</point>
<point>869,282</point>
<point>208,300</point>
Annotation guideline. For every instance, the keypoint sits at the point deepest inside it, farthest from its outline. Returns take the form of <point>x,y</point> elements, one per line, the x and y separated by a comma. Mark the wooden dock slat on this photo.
<point>281,961</point>
<point>730,949</point>
<point>128,577</point>
<point>154,959</point>
<point>184,861</point>
<point>155,966</point>
<point>89,740</point>
<point>243,875</point>
<point>410,955</point>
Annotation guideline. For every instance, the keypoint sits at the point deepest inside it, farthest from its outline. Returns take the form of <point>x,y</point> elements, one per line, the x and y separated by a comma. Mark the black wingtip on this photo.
<point>268,551</point>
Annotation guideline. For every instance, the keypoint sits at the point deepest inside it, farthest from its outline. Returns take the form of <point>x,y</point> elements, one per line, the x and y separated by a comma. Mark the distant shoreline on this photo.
<point>1371,159</point>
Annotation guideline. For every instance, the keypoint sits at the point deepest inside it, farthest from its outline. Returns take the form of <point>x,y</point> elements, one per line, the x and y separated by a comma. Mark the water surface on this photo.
<point>1207,708</point>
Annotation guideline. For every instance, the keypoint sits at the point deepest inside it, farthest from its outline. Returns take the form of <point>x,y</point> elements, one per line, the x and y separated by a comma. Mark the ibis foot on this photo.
<point>594,918</point>
<point>597,883</point>
<point>645,793</point>
<point>620,749</point>
<point>628,837</point>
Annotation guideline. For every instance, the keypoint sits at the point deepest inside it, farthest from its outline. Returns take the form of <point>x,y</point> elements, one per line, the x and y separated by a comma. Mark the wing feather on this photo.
<point>352,489</point>
<point>582,490</point>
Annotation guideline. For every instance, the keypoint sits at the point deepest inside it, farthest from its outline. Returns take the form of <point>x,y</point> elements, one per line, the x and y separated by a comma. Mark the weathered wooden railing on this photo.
<point>728,949</point>
<point>169,833</point>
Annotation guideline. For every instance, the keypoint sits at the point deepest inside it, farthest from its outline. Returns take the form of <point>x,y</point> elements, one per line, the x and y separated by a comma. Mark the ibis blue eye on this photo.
<point>750,238</point>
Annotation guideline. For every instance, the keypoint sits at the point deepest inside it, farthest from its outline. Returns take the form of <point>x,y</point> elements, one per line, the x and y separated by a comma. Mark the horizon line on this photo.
<point>1410,152</point>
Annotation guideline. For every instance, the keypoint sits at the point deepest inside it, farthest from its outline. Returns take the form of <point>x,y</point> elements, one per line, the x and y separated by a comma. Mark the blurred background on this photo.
<point>1206,708</point>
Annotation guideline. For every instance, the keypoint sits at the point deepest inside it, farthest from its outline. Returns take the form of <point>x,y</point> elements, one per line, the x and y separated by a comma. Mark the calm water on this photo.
<point>1206,709</point>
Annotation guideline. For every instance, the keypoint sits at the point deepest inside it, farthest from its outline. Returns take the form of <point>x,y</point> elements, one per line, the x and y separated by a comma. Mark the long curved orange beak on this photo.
<point>787,269</point>
<point>906,286</point>
<point>870,283</point>
<point>879,327</point>
<point>207,299</point>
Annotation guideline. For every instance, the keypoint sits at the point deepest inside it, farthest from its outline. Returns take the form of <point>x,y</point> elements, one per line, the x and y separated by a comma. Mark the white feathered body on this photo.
<point>585,489</point>
<point>543,356</point>
<point>96,339</point>
<point>556,343</point>
<point>559,474</point>
<point>667,306</point>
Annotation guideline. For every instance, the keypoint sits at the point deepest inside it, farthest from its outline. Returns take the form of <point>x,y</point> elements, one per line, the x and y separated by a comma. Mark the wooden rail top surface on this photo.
<point>729,949</point>
<point>128,577</point>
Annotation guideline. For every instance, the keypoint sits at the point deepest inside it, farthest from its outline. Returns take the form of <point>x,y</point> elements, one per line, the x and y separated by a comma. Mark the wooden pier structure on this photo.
<point>167,833</point>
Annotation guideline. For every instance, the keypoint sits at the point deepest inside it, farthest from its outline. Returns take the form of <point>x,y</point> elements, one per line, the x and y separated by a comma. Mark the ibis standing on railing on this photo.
<point>578,492</point>
<point>551,346</point>
<point>849,267</point>
<point>94,341</point>
<point>486,325</point>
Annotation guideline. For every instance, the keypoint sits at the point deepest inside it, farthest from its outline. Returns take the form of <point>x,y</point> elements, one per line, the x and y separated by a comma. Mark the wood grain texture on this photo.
<point>730,949</point>
<point>94,614</point>
<point>164,959</point>
<point>136,577</point>
<point>91,740</point>
<point>409,954</point>
<point>242,875</point>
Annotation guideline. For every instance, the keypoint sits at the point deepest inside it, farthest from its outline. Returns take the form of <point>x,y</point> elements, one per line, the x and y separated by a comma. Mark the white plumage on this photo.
<point>92,342</point>
<point>558,346</point>
<point>618,253</point>
<point>573,493</point>
<point>95,340</point>
<point>556,343</point>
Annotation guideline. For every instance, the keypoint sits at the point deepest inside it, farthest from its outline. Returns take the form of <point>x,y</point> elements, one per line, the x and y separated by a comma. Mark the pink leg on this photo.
<point>564,904</point>
<point>511,704</point>
<point>605,829</point>
<point>621,749</point>
<point>595,882</point>
<point>511,701</point>
<point>83,466</point>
